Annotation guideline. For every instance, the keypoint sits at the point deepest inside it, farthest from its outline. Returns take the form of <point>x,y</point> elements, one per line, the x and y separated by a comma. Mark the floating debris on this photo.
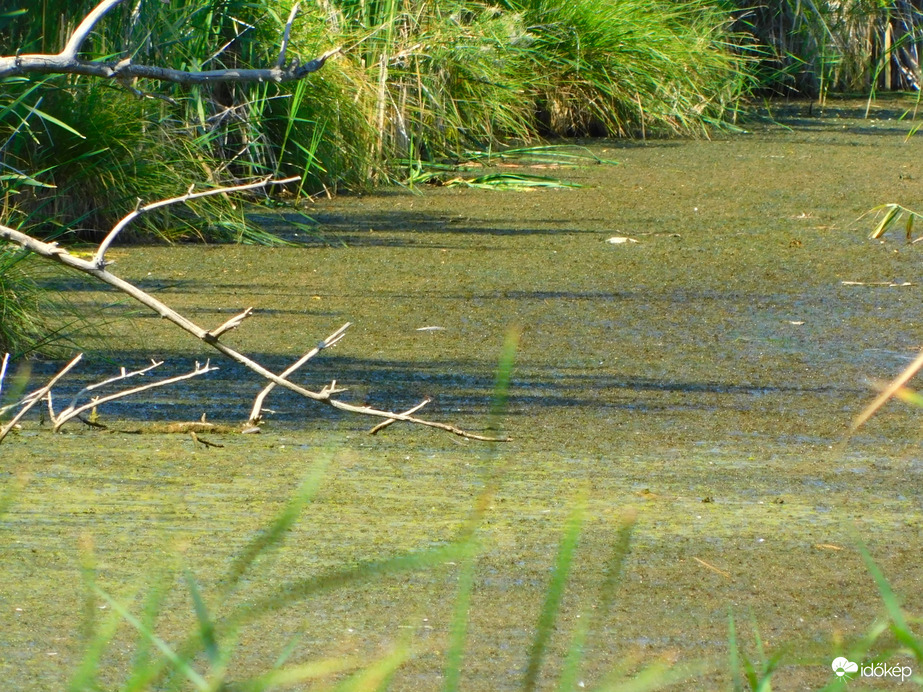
<point>620,239</point>
<point>430,329</point>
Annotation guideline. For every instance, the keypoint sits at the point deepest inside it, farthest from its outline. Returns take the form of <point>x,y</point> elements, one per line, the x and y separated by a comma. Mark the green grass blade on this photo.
<point>272,536</point>
<point>893,211</point>
<point>554,595</point>
<point>60,123</point>
<point>458,629</point>
<point>87,672</point>
<point>315,670</point>
<point>304,588</point>
<point>376,676</point>
<point>734,655</point>
<point>206,626</point>
<point>570,671</point>
<point>143,664</point>
<point>899,626</point>
<point>179,664</point>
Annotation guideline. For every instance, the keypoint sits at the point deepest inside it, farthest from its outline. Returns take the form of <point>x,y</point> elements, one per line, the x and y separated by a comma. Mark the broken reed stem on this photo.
<point>888,392</point>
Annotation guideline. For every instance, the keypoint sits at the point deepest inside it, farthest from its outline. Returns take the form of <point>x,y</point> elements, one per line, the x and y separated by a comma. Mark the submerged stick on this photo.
<point>72,412</point>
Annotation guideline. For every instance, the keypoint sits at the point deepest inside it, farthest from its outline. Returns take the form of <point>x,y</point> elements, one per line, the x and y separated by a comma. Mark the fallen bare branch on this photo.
<point>37,396</point>
<point>121,376</point>
<point>256,413</point>
<point>124,70</point>
<point>71,412</point>
<point>232,323</point>
<point>53,252</point>
<point>100,258</point>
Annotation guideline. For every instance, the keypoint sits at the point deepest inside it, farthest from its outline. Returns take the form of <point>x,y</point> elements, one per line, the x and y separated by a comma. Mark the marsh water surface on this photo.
<point>702,378</point>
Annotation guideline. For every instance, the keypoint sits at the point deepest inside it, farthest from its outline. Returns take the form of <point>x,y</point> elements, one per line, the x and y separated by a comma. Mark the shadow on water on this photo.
<point>457,387</point>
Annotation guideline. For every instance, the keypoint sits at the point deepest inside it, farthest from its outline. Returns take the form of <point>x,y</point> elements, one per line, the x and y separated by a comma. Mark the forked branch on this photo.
<point>69,62</point>
<point>74,410</point>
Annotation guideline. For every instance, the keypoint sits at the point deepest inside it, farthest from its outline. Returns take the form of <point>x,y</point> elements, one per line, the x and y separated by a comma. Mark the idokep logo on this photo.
<point>845,669</point>
<point>842,667</point>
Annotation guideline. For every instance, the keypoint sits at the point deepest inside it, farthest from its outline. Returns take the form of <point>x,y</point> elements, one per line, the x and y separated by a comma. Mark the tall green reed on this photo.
<point>823,46</point>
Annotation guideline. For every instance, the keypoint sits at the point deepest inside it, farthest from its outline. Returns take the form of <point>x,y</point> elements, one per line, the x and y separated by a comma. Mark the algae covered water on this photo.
<point>701,378</point>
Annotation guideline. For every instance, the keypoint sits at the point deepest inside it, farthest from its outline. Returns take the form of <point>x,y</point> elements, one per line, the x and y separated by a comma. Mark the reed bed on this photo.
<point>416,79</point>
<point>826,46</point>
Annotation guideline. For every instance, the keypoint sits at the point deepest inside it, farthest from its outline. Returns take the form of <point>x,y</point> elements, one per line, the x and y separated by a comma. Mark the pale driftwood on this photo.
<point>73,411</point>
<point>286,35</point>
<point>256,413</point>
<point>69,62</point>
<point>123,375</point>
<point>37,396</point>
<point>232,323</point>
<point>124,70</point>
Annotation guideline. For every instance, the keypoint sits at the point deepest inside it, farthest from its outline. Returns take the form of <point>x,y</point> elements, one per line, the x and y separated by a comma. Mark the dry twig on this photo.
<point>74,411</point>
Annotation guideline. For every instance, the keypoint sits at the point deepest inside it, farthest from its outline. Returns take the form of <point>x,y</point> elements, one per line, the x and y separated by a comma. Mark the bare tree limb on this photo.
<point>121,376</point>
<point>287,34</point>
<point>72,47</point>
<point>68,62</point>
<point>37,396</point>
<point>385,424</point>
<point>100,259</point>
<point>72,412</point>
<point>232,323</point>
<point>256,413</point>
<point>53,252</point>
